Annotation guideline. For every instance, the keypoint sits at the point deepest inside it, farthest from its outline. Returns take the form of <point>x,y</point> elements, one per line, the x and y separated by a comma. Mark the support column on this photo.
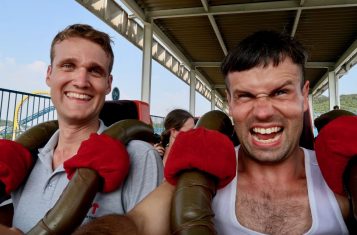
<point>146,65</point>
<point>192,91</point>
<point>213,99</point>
<point>333,89</point>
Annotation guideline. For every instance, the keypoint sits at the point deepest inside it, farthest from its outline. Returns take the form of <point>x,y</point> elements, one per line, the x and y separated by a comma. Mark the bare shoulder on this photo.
<point>152,214</point>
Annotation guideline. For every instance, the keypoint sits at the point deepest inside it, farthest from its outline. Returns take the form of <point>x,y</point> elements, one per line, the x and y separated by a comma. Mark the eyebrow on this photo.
<point>90,65</point>
<point>286,83</point>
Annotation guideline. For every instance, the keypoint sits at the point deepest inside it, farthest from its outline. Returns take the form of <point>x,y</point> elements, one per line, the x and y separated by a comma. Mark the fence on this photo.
<point>20,110</point>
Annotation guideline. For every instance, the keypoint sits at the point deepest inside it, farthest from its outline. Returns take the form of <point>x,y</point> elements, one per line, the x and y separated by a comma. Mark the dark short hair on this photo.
<point>86,32</point>
<point>261,49</point>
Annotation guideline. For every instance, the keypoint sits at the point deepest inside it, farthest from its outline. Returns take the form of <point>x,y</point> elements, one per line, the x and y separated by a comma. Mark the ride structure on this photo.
<point>190,38</point>
<point>19,107</point>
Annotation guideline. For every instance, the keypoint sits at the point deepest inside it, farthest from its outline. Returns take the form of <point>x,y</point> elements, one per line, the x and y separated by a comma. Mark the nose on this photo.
<point>81,78</point>
<point>263,108</point>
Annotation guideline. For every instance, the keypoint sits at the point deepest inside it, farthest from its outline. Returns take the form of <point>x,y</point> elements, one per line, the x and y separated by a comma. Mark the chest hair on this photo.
<point>274,211</point>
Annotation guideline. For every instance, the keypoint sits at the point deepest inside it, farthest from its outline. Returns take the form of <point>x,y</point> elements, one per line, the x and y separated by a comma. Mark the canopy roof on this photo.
<point>200,32</point>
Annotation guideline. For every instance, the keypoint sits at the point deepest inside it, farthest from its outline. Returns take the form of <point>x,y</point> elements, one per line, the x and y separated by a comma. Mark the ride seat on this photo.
<point>325,118</point>
<point>114,111</point>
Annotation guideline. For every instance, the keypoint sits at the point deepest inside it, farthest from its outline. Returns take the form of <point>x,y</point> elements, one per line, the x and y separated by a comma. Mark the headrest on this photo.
<point>114,111</point>
<point>335,145</point>
<point>216,120</point>
<point>325,118</point>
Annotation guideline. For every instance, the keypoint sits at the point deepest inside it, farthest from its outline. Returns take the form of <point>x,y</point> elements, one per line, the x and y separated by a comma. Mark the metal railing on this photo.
<point>20,110</point>
<point>158,124</point>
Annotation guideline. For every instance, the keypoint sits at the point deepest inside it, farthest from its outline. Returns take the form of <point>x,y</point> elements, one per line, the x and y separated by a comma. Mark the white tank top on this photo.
<point>325,211</point>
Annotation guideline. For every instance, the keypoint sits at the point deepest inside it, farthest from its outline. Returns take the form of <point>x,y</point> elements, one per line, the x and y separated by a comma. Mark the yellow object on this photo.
<point>16,124</point>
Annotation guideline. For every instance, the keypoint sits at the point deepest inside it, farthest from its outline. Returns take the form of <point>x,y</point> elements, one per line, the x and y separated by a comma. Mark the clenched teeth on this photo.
<point>266,130</point>
<point>78,96</point>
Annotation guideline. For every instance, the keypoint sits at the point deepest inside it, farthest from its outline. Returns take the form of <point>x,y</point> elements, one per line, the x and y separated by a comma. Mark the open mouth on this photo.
<point>78,96</point>
<point>266,135</point>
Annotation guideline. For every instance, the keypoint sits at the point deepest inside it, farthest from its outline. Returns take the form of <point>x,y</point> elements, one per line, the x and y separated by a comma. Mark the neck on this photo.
<point>287,170</point>
<point>70,139</point>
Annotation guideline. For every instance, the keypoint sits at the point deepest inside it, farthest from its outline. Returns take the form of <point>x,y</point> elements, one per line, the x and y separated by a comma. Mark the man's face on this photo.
<point>267,106</point>
<point>79,79</point>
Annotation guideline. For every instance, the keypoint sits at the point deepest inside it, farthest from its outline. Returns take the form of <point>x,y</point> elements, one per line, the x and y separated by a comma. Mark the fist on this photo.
<point>206,150</point>
<point>103,154</point>
<point>15,164</point>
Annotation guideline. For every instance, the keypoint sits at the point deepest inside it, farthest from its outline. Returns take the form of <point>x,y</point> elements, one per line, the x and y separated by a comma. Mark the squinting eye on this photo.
<point>243,97</point>
<point>280,92</point>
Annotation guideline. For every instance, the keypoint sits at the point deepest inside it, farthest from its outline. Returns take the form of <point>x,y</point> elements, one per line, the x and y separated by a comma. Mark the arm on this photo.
<point>199,162</point>
<point>152,215</point>
<point>149,217</point>
<point>100,153</point>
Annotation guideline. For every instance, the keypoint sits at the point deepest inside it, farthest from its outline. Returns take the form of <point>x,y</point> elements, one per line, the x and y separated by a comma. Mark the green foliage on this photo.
<point>321,104</point>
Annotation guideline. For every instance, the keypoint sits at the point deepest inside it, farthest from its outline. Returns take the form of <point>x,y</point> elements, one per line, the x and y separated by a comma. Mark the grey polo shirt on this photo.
<point>44,185</point>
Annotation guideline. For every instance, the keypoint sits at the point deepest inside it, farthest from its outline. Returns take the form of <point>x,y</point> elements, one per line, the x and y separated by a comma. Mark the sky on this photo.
<point>28,27</point>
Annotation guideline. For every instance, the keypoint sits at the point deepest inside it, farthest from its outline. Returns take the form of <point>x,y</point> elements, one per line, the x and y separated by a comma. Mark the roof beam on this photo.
<point>111,13</point>
<point>215,27</point>
<point>297,19</point>
<point>168,44</point>
<point>319,65</point>
<point>206,64</point>
<point>343,64</point>
<point>320,86</point>
<point>140,14</point>
<point>202,85</point>
<point>219,86</point>
<point>307,65</point>
<point>135,9</point>
<point>250,8</point>
<point>346,57</point>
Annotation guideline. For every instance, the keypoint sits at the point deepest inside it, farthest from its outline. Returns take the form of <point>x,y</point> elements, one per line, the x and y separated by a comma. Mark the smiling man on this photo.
<point>79,78</point>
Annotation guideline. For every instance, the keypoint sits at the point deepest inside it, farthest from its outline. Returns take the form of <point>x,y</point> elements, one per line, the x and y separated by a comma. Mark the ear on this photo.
<point>48,74</point>
<point>109,84</point>
<point>173,132</point>
<point>305,93</point>
<point>229,102</point>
